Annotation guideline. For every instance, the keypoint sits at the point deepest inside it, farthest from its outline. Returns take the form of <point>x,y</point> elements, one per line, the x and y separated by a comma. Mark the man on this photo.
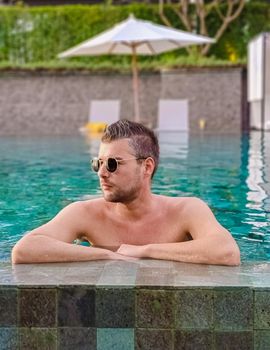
<point>130,221</point>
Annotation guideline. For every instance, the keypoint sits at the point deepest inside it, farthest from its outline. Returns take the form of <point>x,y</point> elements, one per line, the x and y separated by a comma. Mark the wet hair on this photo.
<point>142,139</point>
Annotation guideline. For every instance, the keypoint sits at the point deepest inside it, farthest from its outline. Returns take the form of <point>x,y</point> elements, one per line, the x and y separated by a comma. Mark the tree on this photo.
<point>193,15</point>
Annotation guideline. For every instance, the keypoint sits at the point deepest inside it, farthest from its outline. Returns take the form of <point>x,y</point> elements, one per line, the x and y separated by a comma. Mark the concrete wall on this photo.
<point>45,103</point>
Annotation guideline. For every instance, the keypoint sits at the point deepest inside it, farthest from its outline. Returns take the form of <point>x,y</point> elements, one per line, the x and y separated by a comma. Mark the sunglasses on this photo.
<point>110,163</point>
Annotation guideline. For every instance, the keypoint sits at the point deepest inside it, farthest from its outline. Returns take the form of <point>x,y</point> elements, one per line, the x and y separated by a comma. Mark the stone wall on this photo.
<point>46,103</point>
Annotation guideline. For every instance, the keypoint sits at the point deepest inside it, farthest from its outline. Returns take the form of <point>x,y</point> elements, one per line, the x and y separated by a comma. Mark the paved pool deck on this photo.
<point>141,273</point>
<point>131,305</point>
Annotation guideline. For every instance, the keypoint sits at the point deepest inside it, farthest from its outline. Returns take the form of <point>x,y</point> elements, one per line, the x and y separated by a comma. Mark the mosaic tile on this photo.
<point>193,340</point>
<point>261,340</point>
<point>158,339</point>
<point>155,309</point>
<point>86,276</point>
<point>194,309</point>
<point>77,338</point>
<point>233,309</point>
<point>8,307</point>
<point>154,276</point>
<point>192,275</point>
<point>37,307</point>
<point>76,307</point>
<point>94,266</point>
<point>154,263</point>
<point>196,275</point>
<point>115,339</point>
<point>118,273</point>
<point>7,279</point>
<point>185,270</point>
<point>262,310</point>
<point>8,339</point>
<point>38,338</point>
<point>260,280</point>
<point>233,340</point>
<point>115,308</point>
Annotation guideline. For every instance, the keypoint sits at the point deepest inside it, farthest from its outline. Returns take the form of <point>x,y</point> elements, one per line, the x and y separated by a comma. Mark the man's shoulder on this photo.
<point>92,203</point>
<point>193,202</point>
<point>180,200</point>
<point>184,203</point>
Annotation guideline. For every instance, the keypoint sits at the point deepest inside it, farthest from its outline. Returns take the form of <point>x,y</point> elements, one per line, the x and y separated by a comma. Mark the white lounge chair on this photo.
<point>173,115</point>
<point>101,113</point>
<point>104,111</point>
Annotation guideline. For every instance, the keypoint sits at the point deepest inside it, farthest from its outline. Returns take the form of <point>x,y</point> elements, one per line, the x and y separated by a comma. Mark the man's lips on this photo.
<point>105,185</point>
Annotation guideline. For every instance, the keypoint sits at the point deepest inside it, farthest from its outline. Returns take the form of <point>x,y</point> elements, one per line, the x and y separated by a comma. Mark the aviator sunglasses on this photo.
<point>110,163</point>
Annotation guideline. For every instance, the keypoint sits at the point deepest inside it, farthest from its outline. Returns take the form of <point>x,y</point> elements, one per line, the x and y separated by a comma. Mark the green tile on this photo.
<point>77,338</point>
<point>38,338</point>
<point>37,307</point>
<point>194,309</point>
<point>115,339</point>
<point>261,340</point>
<point>234,340</point>
<point>76,307</point>
<point>8,338</point>
<point>262,309</point>
<point>233,309</point>
<point>8,307</point>
<point>115,308</point>
<point>193,340</point>
<point>155,309</point>
<point>149,339</point>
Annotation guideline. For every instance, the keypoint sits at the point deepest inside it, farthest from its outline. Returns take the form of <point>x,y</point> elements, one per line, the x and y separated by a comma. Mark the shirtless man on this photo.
<point>130,221</point>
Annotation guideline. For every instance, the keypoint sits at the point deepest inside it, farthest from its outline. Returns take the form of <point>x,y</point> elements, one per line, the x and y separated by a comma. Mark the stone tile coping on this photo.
<point>140,273</point>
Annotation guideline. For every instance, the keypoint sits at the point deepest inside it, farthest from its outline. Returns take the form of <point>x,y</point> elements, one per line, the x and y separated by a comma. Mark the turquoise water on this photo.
<point>39,176</point>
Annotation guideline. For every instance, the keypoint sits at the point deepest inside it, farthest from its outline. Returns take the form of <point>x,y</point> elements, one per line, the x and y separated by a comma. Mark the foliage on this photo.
<point>193,15</point>
<point>35,35</point>
<point>107,65</point>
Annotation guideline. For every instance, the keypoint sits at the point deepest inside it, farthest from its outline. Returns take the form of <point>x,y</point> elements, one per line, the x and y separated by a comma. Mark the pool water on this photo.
<point>39,176</point>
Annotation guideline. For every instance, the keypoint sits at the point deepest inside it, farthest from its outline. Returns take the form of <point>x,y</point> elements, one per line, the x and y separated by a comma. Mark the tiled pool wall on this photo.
<point>57,103</point>
<point>82,317</point>
<point>141,305</point>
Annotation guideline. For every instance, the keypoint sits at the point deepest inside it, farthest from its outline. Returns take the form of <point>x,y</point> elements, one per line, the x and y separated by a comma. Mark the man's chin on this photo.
<point>109,197</point>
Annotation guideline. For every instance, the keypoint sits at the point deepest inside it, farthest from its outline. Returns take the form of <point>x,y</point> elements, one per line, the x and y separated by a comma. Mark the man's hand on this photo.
<point>136,251</point>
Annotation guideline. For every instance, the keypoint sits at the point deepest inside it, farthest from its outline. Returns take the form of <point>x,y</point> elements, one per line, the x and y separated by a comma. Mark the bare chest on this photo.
<point>116,232</point>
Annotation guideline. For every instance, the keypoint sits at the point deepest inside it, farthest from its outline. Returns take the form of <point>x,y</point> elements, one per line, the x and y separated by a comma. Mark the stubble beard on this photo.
<point>118,195</point>
<point>121,196</point>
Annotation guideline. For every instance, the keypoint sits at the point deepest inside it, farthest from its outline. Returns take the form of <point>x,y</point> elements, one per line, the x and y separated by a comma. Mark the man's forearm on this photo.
<point>43,249</point>
<point>196,251</point>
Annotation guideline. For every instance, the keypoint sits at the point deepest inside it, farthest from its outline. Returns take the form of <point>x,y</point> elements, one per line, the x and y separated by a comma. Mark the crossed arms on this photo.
<point>211,243</point>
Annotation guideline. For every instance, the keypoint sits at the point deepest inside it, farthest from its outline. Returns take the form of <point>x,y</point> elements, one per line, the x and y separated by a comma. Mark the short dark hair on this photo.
<point>142,139</point>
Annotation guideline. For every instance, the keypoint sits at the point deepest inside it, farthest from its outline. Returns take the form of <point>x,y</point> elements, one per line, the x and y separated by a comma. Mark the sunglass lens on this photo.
<point>95,164</point>
<point>111,164</point>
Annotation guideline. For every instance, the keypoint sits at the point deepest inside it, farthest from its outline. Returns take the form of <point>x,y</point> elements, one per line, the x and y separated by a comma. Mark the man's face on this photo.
<point>122,185</point>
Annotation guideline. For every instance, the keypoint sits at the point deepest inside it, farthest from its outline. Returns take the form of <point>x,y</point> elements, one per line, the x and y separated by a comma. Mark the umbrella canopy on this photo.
<point>136,37</point>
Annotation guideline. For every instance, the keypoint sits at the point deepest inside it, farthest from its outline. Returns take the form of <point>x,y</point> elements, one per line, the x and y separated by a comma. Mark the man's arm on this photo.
<point>52,242</point>
<point>211,244</point>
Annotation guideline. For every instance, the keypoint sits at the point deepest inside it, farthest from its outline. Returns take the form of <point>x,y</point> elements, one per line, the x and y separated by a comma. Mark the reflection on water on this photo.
<point>256,164</point>
<point>38,177</point>
<point>258,182</point>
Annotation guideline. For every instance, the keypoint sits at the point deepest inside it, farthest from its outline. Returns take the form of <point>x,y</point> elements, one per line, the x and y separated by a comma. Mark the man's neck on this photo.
<point>138,208</point>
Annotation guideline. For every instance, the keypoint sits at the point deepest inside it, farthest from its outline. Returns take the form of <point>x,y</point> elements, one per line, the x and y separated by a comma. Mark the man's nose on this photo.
<point>103,172</point>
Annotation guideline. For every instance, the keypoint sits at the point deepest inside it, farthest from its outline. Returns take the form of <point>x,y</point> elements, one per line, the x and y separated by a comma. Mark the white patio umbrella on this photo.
<point>136,37</point>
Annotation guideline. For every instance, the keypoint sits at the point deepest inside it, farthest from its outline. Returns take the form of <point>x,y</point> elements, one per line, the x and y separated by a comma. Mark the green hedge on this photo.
<point>254,19</point>
<point>38,34</point>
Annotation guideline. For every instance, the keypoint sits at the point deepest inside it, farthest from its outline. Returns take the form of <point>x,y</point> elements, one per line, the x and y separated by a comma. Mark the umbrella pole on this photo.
<point>135,85</point>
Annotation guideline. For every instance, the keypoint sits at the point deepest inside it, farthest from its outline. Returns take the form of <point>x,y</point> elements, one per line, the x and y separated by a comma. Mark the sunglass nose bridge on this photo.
<point>110,164</point>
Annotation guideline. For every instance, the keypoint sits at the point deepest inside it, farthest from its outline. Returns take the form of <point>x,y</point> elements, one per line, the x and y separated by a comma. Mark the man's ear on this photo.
<point>149,166</point>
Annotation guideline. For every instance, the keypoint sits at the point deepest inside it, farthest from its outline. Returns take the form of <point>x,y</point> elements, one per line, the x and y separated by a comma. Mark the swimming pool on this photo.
<point>39,176</point>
